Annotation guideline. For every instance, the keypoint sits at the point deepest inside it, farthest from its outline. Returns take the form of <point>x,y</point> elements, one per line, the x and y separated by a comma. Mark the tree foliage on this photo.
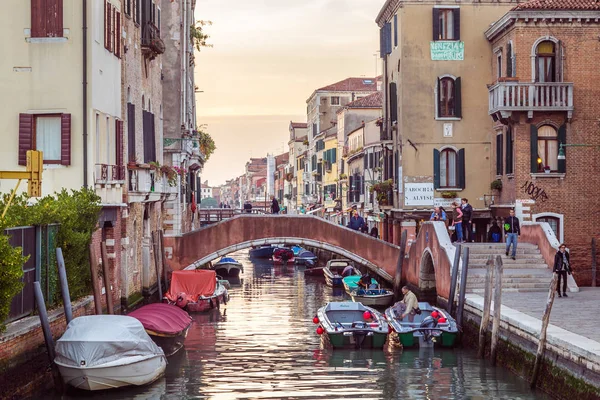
<point>199,37</point>
<point>206,143</point>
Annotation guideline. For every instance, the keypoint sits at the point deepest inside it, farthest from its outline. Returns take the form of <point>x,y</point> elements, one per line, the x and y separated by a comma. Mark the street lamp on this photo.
<point>561,150</point>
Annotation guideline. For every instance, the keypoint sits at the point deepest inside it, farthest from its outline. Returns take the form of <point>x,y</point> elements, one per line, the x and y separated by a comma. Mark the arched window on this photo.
<point>448,169</point>
<point>554,223</point>
<point>547,148</point>
<point>545,53</point>
<point>448,97</point>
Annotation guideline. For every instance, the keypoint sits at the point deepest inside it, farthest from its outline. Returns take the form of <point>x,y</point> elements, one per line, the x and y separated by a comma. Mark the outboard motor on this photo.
<point>429,322</point>
<point>359,336</point>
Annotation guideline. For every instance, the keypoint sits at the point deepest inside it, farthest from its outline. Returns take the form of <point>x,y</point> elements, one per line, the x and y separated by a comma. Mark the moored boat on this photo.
<point>415,332</point>
<point>373,297</point>
<point>99,352</point>
<point>350,283</point>
<point>306,257</point>
<point>297,250</point>
<point>228,266</point>
<point>334,269</point>
<point>166,324</point>
<point>262,251</point>
<point>283,255</point>
<point>352,324</point>
<point>196,290</point>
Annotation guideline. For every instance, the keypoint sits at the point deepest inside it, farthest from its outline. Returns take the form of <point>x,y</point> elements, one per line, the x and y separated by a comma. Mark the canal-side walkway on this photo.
<point>573,334</point>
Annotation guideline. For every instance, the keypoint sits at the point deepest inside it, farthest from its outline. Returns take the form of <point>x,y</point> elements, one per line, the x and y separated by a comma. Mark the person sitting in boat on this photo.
<point>430,322</point>
<point>348,271</point>
<point>365,281</point>
<point>407,306</point>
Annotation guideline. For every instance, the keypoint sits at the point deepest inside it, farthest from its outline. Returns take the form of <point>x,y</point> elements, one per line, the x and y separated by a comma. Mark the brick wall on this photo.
<point>574,195</point>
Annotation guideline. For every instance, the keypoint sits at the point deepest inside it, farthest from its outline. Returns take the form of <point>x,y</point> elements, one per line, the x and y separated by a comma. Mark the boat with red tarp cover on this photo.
<point>166,324</point>
<point>196,290</point>
<point>283,255</point>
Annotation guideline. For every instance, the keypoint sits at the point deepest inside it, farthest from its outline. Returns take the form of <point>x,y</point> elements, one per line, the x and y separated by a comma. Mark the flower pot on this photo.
<point>547,171</point>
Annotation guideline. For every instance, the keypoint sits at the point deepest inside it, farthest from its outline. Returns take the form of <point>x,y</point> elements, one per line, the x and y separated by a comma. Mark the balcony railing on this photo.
<point>151,41</point>
<point>105,174</point>
<point>146,181</point>
<point>506,97</point>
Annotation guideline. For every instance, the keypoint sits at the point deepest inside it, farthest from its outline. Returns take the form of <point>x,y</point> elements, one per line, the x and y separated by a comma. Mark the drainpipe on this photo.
<point>85,127</point>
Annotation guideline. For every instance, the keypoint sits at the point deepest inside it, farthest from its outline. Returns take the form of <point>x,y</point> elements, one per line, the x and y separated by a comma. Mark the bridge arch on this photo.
<point>427,282</point>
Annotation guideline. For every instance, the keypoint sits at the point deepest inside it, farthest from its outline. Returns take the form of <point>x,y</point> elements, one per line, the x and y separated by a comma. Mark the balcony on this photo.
<point>108,183</point>
<point>152,44</point>
<point>146,186</point>
<point>506,97</point>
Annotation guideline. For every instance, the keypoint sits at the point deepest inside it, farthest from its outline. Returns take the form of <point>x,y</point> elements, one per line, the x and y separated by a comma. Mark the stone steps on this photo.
<point>481,291</point>
<point>477,273</point>
<point>501,251</point>
<point>528,256</point>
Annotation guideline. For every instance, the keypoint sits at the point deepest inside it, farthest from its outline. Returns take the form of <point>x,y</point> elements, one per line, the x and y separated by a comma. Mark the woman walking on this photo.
<point>457,216</point>
<point>562,267</point>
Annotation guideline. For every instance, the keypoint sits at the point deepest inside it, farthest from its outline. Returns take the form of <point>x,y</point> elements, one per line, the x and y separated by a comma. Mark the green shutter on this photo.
<point>436,168</point>
<point>461,169</point>
<point>435,23</point>
<point>533,147</point>
<point>333,155</point>
<point>499,155</point>
<point>562,138</point>
<point>457,99</point>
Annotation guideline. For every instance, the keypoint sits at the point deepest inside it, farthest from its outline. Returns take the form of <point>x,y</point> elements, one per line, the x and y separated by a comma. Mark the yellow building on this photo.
<point>301,183</point>
<point>331,191</point>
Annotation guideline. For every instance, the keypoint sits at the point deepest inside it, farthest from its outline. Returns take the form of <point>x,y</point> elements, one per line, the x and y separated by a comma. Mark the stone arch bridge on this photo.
<point>426,266</point>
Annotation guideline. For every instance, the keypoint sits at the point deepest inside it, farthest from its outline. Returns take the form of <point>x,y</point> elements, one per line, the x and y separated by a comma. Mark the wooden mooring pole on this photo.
<point>487,302</point>
<point>155,247</point>
<point>497,306</point>
<point>399,262</point>
<point>94,275</point>
<point>41,306</point>
<point>64,285</point>
<point>164,258</point>
<point>593,262</point>
<point>106,279</point>
<point>463,287</point>
<point>545,320</point>
<point>453,280</point>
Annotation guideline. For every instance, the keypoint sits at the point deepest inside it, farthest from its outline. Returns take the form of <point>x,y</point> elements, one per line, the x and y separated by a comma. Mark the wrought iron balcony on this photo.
<point>151,42</point>
<point>506,97</point>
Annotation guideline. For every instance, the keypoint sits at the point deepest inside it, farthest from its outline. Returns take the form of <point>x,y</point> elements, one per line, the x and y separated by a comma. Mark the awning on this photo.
<point>373,218</point>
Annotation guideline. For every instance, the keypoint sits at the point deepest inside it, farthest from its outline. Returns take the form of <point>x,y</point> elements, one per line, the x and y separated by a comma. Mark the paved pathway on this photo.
<point>576,313</point>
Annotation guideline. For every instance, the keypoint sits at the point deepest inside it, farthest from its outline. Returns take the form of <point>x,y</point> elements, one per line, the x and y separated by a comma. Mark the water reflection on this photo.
<point>262,344</point>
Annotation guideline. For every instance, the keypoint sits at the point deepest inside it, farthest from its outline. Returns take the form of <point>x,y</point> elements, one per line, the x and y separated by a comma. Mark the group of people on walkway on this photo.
<point>462,219</point>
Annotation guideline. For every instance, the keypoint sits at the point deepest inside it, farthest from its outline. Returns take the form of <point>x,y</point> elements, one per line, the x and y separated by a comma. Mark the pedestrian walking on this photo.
<point>467,225</point>
<point>512,231</point>
<point>562,267</point>
<point>457,217</point>
<point>274,205</point>
<point>356,221</point>
<point>375,232</point>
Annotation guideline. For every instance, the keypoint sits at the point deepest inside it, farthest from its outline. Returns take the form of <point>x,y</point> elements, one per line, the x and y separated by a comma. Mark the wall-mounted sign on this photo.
<point>447,50</point>
<point>418,194</point>
<point>447,129</point>
<point>446,203</point>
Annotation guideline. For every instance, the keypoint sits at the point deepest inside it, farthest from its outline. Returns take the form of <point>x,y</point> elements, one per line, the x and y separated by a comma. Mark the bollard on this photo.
<point>94,276</point>
<point>487,302</point>
<point>399,262</point>
<point>41,306</point>
<point>463,287</point>
<point>164,258</point>
<point>497,307</point>
<point>157,263</point>
<point>453,280</point>
<point>64,285</point>
<point>545,320</point>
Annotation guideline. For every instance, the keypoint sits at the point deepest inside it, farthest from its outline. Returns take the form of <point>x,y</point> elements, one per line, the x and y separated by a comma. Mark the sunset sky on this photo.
<point>268,58</point>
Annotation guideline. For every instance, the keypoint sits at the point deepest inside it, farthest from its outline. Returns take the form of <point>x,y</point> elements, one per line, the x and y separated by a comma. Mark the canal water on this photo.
<point>263,345</point>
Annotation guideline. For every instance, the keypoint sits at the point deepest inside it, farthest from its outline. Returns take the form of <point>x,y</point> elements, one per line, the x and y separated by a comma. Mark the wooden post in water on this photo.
<point>453,280</point>
<point>545,320</point>
<point>41,306</point>
<point>155,247</point>
<point>593,262</point>
<point>94,275</point>
<point>106,278</point>
<point>497,306</point>
<point>164,258</point>
<point>399,262</point>
<point>487,302</point>
<point>463,287</point>
<point>64,285</point>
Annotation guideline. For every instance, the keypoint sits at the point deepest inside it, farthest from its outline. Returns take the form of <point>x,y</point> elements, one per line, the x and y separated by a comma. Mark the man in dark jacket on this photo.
<point>274,206</point>
<point>562,266</point>
<point>512,231</point>
<point>467,220</point>
<point>356,221</point>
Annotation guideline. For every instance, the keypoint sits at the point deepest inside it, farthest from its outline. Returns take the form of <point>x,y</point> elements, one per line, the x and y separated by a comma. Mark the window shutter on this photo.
<point>112,20</point>
<point>388,38</point>
<point>371,159</point>
<point>499,156</point>
<point>509,151</point>
<point>562,138</point>
<point>460,164</point>
<point>558,61</point>
<point>393,103</point>
<point>350,188</point>
<point>65,139</point>
<point>136,11</point>
<point>508,59</point>
<point>456,24</point>
<point>436,168</point>
<point>147,131</point>
<point>381,41</point>
<point>54,18</point>
<point>153,138</point>
<point>457,99</point>
<point>106,25</point>
<point>533,148</point>
<point>25,136</point>
<point>130,132</point>
<point>333,155</point>
<point>365,161</point>
<point>396,30</point>
<point>38,23</point>
<point>118,34</point>
<point>119,142</point>
<point>436,23</point>
<point>439,97</point>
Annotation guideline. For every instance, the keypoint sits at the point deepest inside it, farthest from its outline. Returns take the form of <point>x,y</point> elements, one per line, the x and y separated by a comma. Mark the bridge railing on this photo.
<point>209,216</point>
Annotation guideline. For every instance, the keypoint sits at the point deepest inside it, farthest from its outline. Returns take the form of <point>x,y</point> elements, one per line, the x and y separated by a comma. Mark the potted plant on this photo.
<point>496,185</point>
<point>305,142</point>
<point>155,166</point>
<point>547,169</point>
<point>449,195</point>
<point>343,176</point>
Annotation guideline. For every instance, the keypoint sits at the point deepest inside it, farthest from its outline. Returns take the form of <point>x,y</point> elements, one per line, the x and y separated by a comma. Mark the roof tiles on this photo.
<point>558,5</point>
<point>353,85</point>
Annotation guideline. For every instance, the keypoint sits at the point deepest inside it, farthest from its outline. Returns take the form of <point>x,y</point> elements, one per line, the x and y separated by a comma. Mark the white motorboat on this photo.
<point>100,352</point>
<point>228,266</point>
<point>373,297</point>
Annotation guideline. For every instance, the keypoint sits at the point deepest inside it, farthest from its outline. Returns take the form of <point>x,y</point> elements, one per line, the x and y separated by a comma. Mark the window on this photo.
<point>449,98</point>
<point>449,168</point>
<point>554,223</point>
<point>547,148</point>
<point>131,156</point>
<point>49,133</point>
<point>136,11</point>
<point>446,24</point>
<point>393,103</point>
<point>509,150</point>
<point>149,137</point>
<point>499,157</point>
<point>107,26</point>
<point>46,18</point>
<point>545,62</point>
<point>396,30</point>
<point>510,61</point>
<point>335,101</point>
<point>499,65</point>
<point>128,7</point>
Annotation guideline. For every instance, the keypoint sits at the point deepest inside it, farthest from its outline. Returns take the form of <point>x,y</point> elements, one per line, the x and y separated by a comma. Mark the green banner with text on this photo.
<point>447,51</point>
